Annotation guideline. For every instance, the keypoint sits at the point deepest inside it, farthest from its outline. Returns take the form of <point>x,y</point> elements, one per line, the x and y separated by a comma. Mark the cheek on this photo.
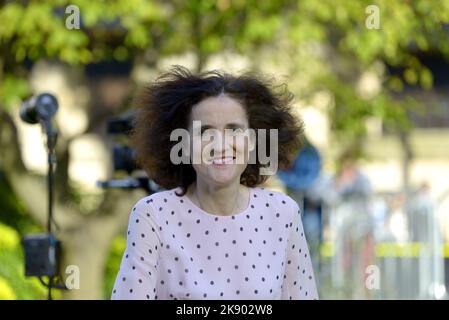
<point>199,150</point>
<point>242,147</point>
<point>207,149</point>
<point>200,156</point>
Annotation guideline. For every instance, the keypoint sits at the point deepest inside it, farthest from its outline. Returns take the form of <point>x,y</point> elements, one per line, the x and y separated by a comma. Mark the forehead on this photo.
<point>220,110</point>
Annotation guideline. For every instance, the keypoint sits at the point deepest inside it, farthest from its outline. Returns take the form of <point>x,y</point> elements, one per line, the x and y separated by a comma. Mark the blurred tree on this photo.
<point>119,30</point>
<point>346,49</point>
<point>13,284</point>
<point>332,48</point>
<point>321,45</point>
<point>113,263</point>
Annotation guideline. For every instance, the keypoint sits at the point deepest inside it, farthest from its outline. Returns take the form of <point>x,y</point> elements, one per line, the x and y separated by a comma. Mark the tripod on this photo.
<point>52,135</point>
<point>42,250</point>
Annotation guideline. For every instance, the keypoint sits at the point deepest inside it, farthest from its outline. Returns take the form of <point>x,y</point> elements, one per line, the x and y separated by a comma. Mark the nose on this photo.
<point>222,146</point>
<point>220,152</point>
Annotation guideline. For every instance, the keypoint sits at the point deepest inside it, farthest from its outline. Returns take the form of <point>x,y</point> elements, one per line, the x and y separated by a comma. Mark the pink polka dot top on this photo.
<point>176,250</point>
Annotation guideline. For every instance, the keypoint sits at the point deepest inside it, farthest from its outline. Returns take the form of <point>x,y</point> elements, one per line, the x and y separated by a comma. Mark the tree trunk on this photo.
<point>407,158</point>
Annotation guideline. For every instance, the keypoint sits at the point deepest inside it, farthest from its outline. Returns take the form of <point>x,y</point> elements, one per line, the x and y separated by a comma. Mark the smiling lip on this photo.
<point>223,161</point>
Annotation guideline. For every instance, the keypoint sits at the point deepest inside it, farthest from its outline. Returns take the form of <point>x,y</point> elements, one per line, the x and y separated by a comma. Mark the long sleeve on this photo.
<point>137,276</point>
<point>299,279</point>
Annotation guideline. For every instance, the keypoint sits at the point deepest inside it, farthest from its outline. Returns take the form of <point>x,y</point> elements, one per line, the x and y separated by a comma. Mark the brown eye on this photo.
<point>236,131</point>
<point>206,132</point>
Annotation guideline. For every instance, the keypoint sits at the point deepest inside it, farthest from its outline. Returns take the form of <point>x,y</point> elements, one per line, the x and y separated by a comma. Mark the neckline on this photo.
<point>216,216</point>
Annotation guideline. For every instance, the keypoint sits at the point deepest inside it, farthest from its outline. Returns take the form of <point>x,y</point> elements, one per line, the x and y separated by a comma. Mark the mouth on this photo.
<point>223,161</point>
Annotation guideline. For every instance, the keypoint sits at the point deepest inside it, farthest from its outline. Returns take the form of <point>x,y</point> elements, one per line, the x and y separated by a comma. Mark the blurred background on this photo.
<point>371,80</point>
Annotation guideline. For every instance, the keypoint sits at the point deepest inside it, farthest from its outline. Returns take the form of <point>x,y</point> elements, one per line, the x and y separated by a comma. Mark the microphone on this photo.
<point>41,107</point>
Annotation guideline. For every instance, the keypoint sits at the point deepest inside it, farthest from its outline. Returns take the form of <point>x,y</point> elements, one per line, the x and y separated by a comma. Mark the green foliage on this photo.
<point>113,263</point>
<point>348,48</point>
<point>13,212</point>
<point>38,29</point>
<point>324,44</point>
<point>13,284</point>
<point>15,221</point>
<point>34,29</point>
<point>12,90</point>
<point>350,106</point>
<point>123,29</point>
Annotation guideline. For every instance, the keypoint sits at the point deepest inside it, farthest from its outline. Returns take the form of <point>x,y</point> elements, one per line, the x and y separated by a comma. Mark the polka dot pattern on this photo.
<point>175,250</point>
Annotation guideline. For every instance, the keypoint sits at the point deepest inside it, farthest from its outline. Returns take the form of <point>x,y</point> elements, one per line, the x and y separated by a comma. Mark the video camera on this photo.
<point>124,157</point>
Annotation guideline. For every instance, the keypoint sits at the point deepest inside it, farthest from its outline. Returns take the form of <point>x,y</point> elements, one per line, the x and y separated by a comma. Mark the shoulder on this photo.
<point>151,204</point>
<point>278,200</point>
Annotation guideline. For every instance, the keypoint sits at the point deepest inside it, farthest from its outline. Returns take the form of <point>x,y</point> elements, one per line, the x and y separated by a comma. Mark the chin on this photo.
<point>223,178</point>
<point>223,181</point>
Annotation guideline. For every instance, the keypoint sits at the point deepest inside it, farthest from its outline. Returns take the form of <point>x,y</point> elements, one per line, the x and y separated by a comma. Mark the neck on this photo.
<point>219,200</point>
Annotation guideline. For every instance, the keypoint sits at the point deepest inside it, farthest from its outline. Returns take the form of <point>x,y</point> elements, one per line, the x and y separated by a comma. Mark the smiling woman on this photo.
<point>215,233</point>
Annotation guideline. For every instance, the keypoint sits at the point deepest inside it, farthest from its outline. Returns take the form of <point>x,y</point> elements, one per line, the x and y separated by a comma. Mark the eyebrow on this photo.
<point>231,125</point>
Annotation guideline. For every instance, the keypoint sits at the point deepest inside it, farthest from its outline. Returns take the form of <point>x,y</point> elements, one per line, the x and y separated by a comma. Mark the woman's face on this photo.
<point>221,138</point>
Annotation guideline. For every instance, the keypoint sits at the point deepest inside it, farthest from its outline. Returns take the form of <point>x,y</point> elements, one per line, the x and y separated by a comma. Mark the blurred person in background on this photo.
<point>347,196</point>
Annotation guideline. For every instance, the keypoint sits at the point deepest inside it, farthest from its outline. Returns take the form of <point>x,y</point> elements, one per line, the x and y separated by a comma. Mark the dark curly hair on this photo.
<point>166,103</point>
